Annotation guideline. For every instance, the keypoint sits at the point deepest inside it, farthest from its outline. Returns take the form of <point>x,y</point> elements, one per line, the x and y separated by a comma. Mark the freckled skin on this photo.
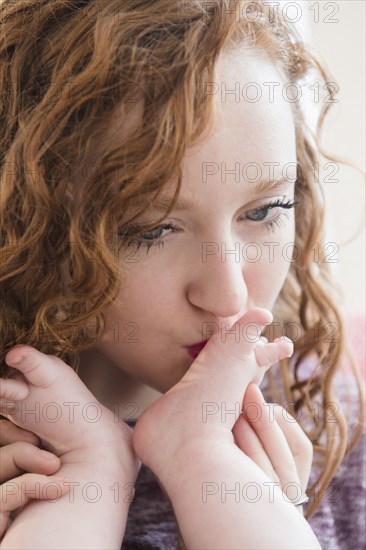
<point>171,292</point>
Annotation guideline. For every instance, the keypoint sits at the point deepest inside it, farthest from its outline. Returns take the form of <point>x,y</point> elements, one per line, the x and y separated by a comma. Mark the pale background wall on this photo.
<point>342,46</point>
<point>335,32</point>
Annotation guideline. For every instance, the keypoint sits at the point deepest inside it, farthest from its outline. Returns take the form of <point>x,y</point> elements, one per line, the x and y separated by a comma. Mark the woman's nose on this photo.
<point>218,284</point>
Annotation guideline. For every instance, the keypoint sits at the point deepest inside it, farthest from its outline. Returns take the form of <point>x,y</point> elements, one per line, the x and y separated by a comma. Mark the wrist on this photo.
<point>195,458</point>
<point>110,451</point>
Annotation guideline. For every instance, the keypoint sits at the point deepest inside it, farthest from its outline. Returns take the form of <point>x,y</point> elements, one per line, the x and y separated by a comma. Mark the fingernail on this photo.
<point>288,340</point>
<point>16,360</point>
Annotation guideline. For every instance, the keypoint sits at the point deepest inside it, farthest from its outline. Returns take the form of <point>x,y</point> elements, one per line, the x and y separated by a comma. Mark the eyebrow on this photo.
<point>187,202</point>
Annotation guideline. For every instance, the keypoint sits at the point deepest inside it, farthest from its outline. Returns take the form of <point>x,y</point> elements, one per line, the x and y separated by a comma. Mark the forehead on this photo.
<point>248,94</point>
<point>253,117</point>
<point>253,135</point>
<point>251,141</point>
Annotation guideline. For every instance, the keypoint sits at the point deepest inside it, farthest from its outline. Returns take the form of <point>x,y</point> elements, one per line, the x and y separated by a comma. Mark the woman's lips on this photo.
<point>195,349</point>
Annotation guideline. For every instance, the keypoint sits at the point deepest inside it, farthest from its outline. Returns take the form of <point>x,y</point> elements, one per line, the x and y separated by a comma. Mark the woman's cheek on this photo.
<point>266,273</point>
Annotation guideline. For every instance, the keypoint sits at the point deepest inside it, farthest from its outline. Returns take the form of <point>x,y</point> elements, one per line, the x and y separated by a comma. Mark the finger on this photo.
<point>19,491</point>
<point>262,341</point>
<point>21,456</point>
<point>232,349</point>
<point>300,445</point>
<point>11,433</point>
<point>38,368</point>
<point>273,439</point>
<point>13,390</point>
<point>8,408</point>
<point>267,354</point>
<point>249,443</point>
<point>260,345</point>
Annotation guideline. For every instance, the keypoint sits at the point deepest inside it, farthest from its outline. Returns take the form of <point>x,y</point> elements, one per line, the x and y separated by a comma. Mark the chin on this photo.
<point>165,387</point>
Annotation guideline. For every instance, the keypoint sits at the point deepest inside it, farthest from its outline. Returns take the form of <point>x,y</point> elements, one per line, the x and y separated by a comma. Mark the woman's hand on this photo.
<point>20,453</point>
<point>274,440</point>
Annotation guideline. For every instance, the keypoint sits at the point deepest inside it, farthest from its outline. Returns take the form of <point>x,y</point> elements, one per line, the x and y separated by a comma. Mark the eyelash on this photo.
<point>270,226</point>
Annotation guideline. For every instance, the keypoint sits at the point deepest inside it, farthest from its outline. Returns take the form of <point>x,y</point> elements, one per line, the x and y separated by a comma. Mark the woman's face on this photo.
<point>221,256</point>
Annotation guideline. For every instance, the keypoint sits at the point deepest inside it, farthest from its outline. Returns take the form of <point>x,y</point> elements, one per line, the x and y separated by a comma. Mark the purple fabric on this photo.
<point>151,524</point>
<point>339,523</point>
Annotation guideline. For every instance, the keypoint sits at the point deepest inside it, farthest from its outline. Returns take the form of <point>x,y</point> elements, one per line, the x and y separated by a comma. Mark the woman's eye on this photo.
<point>279,207</point>
<point>149,238</point>
<point>258,214</point>
<point>157,232</point>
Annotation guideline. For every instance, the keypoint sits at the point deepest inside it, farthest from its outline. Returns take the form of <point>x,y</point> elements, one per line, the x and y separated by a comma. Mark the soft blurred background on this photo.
<point>335,32</point>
